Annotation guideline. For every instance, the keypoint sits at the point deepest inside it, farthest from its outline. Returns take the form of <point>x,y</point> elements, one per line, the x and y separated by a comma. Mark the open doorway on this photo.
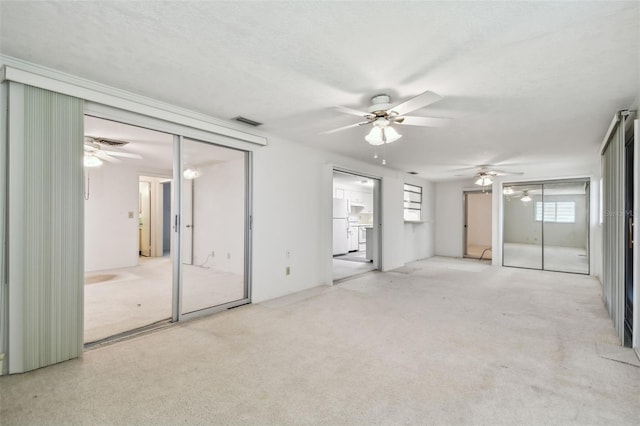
<point>355,219</point>
<point>477,225</point>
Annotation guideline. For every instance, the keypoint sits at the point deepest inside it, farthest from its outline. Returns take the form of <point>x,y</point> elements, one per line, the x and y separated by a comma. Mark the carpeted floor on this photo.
<point>441,342</point>
<point>123,299</point>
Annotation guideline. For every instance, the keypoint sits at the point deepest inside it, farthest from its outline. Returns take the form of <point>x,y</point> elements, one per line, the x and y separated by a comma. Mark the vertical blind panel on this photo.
<point>614,236</point>
<point>53,253</point>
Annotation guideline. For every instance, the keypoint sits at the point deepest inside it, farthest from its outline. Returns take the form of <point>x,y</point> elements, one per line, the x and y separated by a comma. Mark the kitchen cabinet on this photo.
<point>352,238</point>
<point>368,203</point>
<point>357,197</point>
<point>369,252</point>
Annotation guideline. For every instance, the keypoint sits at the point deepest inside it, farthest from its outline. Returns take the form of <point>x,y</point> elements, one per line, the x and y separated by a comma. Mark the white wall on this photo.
<point>218,216</point>
<point>449,218</point>
<point>416,235</point>
<point>111,236</point>
<point>293,187</point>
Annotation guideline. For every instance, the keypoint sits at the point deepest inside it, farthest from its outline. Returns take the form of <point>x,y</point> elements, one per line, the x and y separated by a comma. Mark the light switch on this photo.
<point>130,215</point>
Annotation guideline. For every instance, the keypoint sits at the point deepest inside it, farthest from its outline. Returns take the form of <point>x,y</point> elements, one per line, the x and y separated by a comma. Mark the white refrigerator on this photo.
<point>340,226</point>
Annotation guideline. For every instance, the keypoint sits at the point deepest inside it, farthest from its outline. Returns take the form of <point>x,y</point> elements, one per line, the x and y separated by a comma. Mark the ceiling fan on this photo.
<point>382,114</point>
<point>94,151</point>
<point>485,174</point>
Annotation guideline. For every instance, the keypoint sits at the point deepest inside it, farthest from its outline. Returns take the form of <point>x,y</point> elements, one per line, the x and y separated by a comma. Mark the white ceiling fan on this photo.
<point>485,174</point>
<point>94,151</point>
<point>382,114</point>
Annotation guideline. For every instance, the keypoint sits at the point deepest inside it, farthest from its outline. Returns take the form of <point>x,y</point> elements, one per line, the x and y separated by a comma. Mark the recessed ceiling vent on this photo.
<point>247,121</point>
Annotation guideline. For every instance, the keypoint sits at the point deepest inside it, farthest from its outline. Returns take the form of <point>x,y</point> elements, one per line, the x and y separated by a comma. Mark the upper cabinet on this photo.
<point>360,201</point>
<point>356,197</point>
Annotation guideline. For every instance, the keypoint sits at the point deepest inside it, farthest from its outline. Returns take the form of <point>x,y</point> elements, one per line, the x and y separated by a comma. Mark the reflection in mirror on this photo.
<point>522,234</point>
<point>213,225</point>
<point>564,214</point>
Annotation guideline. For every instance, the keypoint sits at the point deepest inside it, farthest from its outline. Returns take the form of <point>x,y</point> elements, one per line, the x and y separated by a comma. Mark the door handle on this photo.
<point>630,231</point>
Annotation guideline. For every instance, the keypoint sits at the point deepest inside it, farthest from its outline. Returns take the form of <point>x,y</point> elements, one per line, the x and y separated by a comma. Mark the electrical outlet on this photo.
<point>288,254</point>
<point>287,270</point>
<point>228,255</point>
<point>213,253</point>
<point>130,215</point>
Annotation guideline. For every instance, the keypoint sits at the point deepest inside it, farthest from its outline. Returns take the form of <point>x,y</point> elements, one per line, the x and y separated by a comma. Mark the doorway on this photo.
<point>156,252</point>
<point>355,222</point>
<point>477,224</point>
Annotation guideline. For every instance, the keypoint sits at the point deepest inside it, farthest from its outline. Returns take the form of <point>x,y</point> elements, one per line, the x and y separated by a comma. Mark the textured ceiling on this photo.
<point>530,86</point>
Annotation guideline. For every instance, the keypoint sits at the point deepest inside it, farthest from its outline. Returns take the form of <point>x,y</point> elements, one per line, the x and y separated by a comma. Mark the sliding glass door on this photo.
<point>522,232</point>
<point>167,244</point>
<point>213,221</point>
<point>566,226</point>
<point>546,225</point>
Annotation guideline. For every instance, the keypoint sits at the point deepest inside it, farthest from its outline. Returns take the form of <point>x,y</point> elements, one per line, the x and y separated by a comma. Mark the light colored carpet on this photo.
<point>563,259</point>
<point>443,345</point>
<point>142,295</point>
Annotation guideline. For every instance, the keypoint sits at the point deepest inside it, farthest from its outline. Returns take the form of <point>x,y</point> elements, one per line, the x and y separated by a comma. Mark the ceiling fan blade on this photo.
<point>417,102</point>
<point>122,154</point>
<point>493,172</point>
<point>344,128</point>
<point>106,157</point>
<point>106,141</point>
<point>424,121</point>
<point>352,111</point>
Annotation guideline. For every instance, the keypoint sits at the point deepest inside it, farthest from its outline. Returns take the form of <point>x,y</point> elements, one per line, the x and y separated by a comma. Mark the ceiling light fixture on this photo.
<point>91,161</point>
<point>525,197</point>
<point>484,181</point>
<point>380,135</point>
<point>191,173</point>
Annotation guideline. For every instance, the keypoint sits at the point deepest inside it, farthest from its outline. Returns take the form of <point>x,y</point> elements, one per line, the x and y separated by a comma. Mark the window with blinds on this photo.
<point>412,202</point>
<point>556,211</point>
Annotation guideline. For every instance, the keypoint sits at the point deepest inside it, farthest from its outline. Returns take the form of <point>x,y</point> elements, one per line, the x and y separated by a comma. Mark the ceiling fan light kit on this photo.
<point>525,196</point>
<point>382,135</point>
<point>484,181</point>
<point>91,161</point>
<point>191,173</point>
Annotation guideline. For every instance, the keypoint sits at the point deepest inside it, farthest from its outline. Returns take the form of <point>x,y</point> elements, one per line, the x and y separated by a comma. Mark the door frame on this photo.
<point>377,214</point>
<point>465,219</point>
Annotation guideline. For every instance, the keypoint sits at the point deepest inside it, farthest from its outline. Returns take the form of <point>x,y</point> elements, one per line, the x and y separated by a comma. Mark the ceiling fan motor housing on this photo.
<point>380,104</point>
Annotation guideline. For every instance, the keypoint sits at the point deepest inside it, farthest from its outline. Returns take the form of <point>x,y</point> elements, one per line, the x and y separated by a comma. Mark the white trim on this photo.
<point>46,78</point>
<point>612,127</point>
<point>134,119</point>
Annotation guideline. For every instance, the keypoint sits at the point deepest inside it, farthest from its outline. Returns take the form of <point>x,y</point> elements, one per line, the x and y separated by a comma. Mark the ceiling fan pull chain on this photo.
<point>384,151</point>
